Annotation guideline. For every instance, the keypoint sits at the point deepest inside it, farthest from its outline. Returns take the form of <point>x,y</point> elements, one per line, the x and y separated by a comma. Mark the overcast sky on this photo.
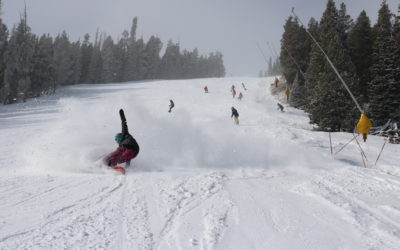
<point>230,26</point>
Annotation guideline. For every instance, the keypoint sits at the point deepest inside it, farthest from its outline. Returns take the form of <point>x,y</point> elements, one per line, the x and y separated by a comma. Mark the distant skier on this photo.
<point>240,96</point>
<point>280,107</point>
<point>171,105</point>
<point>235,115</point>
<point>127,149</point>
<point>233,93</point>
<point>205,89</point>
<point>233,87</point>
<point>244,87</point>
<point>276,82</point>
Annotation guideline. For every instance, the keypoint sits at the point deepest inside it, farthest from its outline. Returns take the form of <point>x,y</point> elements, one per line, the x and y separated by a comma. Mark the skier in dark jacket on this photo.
<point>235,114</point>
<point>171,105</point>
<point>127,149</point>
<point>280,107</point>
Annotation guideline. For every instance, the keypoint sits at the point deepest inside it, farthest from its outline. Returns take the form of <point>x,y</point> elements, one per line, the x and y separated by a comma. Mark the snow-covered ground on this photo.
<point>199,182</point>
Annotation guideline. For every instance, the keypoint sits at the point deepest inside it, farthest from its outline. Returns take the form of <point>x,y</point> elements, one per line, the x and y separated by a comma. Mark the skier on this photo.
<point>233,87</point>
<point>233,93</point>
<point>276,82</point>
<point>240,96</point>
<point>205,89</point>
<point>127,146</point>
<point>171,105</point>
<point>280,107</point>
<point>244,87</point>
<point>235,114</point>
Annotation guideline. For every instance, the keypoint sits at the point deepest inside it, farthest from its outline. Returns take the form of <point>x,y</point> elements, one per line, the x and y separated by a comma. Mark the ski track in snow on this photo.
<point>199,182</point>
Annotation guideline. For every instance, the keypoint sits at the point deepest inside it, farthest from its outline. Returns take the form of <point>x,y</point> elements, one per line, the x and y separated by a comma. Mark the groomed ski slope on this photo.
<point>199,182</point>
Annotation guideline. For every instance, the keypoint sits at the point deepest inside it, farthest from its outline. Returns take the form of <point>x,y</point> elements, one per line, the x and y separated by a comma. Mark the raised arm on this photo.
<point>123,122</point>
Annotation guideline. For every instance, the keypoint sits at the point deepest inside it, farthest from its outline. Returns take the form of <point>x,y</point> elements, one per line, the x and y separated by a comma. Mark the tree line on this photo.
<point>31,65</point>
<point>366,56</point>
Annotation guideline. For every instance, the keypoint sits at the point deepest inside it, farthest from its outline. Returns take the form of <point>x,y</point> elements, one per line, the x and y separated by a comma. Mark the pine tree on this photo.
<point>96,61</point>
<point>171,61</point>
<point>384,88</point>
<point>42,74</point>
<point>19,62</point>
<point>3,48</point>
<point>360,41</point>
<point>295,50</point>
<point>297,93</point>
<point>122,56</point>
<point>86,54</point>
<point>140,69</point>
<point>131,72</point>
<point>329,105</point>
<point>150,58</point>
<point>396,27</point>
<point>110,61</point>
<point>345,22</point>
<point>62,59</point>
<point>75,59</point>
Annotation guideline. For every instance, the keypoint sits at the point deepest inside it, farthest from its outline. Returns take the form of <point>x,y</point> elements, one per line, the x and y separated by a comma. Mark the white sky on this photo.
<point>230,26</point>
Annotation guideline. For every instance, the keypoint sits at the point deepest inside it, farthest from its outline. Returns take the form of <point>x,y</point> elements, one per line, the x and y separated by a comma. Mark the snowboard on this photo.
<point>118,168</point>
<point>102,163</point>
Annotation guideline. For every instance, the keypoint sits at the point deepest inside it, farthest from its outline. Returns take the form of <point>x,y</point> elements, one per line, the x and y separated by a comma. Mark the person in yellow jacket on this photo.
<point>364,125</point>
<point>287,92</point>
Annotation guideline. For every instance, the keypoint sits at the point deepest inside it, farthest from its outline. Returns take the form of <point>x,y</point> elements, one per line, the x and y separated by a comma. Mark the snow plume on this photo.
<point>84,132</point>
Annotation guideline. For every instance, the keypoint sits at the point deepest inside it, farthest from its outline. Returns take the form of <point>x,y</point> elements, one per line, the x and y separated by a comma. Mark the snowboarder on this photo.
<point>235,114</point>
<point>171,105</point>
<point>205,89</point>
<point>280,107</point>
<point>244,87</point>
<point>240,96</point>
<point>233,93</point>
<point>127,149</point>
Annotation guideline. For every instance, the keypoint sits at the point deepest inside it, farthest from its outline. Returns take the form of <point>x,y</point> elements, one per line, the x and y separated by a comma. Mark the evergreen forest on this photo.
<point>32,65</point>
<point>367,56</point>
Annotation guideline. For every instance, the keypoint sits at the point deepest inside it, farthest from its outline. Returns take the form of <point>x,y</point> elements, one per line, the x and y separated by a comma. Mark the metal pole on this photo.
<point>262,52</point>
<point>380,152</point>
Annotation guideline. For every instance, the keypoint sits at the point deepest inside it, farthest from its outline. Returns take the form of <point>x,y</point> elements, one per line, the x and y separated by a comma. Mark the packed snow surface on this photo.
<point>199,181</point>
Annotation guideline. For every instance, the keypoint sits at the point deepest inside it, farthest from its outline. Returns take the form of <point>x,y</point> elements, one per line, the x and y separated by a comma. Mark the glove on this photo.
<point>122,115</point>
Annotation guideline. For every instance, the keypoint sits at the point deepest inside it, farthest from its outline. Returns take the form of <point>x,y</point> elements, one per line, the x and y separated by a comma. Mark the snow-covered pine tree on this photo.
<point>384,88</point>
<point>360,41</point>
<point>328,103</point>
